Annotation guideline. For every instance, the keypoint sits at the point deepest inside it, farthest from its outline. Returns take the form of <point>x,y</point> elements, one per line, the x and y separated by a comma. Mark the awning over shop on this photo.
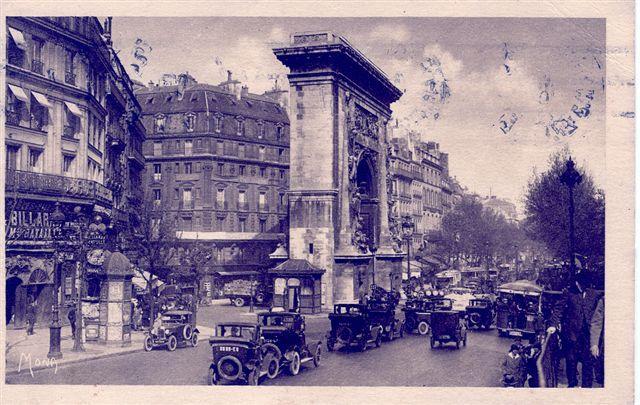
<point>236,273</point>
<point>18,38</point>
<point>73,108</point>
<point>41,99</point>
<point>19,93</point>
<point>296,266</point>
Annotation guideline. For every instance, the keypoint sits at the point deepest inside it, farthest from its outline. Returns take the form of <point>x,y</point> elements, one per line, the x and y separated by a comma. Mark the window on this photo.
<point>176,193</point>
<point>220,195</point>
<point>261,153</point>
<point>198,167</point>
<point>281,154</point>
<point>72,121</point>
<point>157,172</point>
<point>310,248</point>
<point>34,160</point>
<point>261,130</point>
<point>240,126</point>
<point>190,122</point>
<point>220,147</point>
<point>16,47</point>
<point>282,174</point>
<point>217,123</point>
<point>13,152</point>
<point>67,163</point>
<point>242,224</point>
<point>157,196</point>
<point>188,168</point>
<point>262,172</point>
<point>177,166</point>
<point>186,195</point>
<point>188,147</point>
<point>157,149</point>
<point>178,146</point>
<point>36,58</point>
<point>242,196</point>
<point>241,150</point>
<point>281,199</point>
<point>279,132</point>
<point>262,200</point>
<point>220,169</point>
<point>69,67</point>
<point>241,170</point>
<point>263,225</point>
<point>160,122</point>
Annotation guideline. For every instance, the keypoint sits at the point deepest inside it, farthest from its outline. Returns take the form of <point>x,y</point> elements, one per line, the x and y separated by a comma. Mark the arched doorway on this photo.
<point>11,285</point>
<point>366,181</point>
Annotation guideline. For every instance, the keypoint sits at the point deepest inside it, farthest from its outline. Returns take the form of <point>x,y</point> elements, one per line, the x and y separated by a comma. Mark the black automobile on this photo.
<point>383,313</point>
<point>442,304</point>
<point>448,326</point>
<point>352,325</point>
<point>176,327</point>
<point>238,355</point>
<point>284,338</point>
<point>480,313</point>
<point>417,315</point>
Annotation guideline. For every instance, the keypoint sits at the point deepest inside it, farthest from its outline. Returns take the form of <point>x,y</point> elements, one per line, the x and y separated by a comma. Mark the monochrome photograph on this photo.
<point>310,201</point>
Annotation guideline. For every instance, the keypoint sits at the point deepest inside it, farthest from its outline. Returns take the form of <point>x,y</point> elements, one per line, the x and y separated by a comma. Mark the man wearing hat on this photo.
<point>574,312</point>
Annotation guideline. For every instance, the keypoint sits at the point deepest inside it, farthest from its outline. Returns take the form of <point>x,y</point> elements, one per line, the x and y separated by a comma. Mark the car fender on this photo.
<point>273,348</point>
<point>196,330</point>
<point>289,354</point>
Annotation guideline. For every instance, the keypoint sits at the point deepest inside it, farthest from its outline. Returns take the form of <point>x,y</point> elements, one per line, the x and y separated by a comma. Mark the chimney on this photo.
<point>228,75</point>
<point>244,91</point>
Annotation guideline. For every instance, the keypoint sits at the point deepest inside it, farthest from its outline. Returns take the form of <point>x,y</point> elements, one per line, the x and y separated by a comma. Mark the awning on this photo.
<point>73,108</point>
<point>41,99</point>
<point>18,38</point>
<point>236,273</point>
<point>18,92</point>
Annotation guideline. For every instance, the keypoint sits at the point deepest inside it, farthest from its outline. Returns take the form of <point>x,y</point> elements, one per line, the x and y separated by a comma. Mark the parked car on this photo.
<point>448,326</point>
<point>284,337</point>
<point>480,313</point>
<point>352,325</point>
<point>177,328</point>
<point>417,315</point>
<point>238,355</point>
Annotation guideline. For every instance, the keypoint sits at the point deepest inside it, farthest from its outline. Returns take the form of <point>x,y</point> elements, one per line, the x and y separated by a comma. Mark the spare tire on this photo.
<point>187,330</point>
<point>344,334</point>
<point>475,318</point>
<point>229,368</point>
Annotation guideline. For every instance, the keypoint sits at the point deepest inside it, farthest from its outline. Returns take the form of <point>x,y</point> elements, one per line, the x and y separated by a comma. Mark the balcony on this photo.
<point>70,78</point>
<point>263,207</point>
<point>116,137</point>
<point>136,156</point>
<point>49,184</point>
<point>37,123</point>
<point>221,205</point>
<point>13,118</point>
<point>282,208</point>
<point>69,132</point>
<point>243,206</point>
<point>37,66</point>
<point>187,204</point>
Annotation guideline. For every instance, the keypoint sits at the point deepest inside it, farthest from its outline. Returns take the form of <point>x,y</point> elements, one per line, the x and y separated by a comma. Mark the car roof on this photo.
<point>177,312</point>
<point>236,324</point>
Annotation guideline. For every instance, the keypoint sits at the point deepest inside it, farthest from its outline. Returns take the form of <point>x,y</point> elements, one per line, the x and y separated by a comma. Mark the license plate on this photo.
<point>515,333</point>
<point>444,336</point>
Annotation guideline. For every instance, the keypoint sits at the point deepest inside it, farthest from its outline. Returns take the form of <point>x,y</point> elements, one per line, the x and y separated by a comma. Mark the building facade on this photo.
<point>73,139</point>
<point>217,161</point>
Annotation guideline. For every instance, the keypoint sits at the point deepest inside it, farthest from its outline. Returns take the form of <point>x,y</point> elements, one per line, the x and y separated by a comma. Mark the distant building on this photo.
<point>73,139</point>
<point>501,206</point>
<point>218,162</point>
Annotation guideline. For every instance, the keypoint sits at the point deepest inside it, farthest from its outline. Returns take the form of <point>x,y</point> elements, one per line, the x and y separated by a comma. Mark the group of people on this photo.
<point>578,317</point>
<point>32,315</point>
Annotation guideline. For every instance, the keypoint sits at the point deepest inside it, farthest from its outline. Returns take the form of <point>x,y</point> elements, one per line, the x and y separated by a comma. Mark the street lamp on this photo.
<point>517,261</point>
<point>373,248</point>
<point>58,219</point>
<point>85,226</point>
<point>571,178</point>
<point>407,231</point>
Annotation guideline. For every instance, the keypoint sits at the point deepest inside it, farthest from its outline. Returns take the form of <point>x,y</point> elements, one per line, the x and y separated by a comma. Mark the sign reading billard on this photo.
<point>30,225</point>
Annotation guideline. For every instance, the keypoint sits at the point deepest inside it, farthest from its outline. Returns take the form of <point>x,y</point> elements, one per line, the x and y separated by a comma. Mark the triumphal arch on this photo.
<point>340,105</point>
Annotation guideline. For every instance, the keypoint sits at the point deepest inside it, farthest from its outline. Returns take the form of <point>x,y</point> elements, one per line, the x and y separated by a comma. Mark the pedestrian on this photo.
<point>597,340</point>
<point>574,312</point>
<point>31,317</point>
<point>513,368</point>
<point>71,315</point>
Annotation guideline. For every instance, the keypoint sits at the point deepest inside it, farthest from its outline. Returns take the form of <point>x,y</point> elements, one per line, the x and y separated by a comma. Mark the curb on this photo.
<point>82,360</point>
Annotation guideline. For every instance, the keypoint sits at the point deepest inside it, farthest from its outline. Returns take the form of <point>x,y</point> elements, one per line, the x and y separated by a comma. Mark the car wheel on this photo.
<point>238,302</point>
<point>260,298</point>
<point>187,331</point>
<point>294,365</point>
<point>273,368</point>
<point>433,342</point>
<point>252,378</point>
<point>330,345</point>
<point>212,376</point>
<point>194,339</point>
<point>423,328</point>
<point>148,344</point>
<point>318,355</point>
<point>172,343</point>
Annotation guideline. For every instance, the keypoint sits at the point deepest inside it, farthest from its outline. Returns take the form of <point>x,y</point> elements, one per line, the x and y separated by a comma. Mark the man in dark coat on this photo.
<point>71,315</point>
<point>31,317</point>
<point>574,312</point>
<point>597,340</point>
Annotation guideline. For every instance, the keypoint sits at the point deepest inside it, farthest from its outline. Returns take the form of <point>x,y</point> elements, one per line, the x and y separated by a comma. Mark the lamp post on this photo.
<point>517,261</point>
<point>407,231</point>
<point>373,248</point>
<point>58,219</point>
<point>85,226</point>
<point>571,178</point>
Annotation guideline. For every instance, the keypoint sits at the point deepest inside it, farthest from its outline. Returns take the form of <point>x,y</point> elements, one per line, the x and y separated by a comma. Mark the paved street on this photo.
<point>404,362</point>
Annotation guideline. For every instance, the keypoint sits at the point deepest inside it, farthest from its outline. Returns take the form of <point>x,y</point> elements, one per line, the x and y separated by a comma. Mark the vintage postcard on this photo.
<point>410,202</point>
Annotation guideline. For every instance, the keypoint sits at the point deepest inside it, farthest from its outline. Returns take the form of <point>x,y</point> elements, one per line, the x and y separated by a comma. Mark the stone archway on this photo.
<point>12,284</point>
<point>366,213</point>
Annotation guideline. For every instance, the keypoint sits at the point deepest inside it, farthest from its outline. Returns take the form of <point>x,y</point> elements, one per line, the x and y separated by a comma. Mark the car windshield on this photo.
<point>237,331</point>
<point>173,319</point>
<point>277,320</point>
<point>346,309</point>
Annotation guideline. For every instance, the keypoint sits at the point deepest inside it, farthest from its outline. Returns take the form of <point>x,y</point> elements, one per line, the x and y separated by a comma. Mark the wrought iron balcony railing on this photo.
<point>37,66</point>
<point>70,78</point>
<point>50,184</point>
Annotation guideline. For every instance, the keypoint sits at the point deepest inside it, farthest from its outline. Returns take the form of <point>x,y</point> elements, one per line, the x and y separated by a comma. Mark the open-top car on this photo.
<point>351,325</point>
<point>176,327</point>
<point>238,355</point>
<point>417,315</point>
<point>448,326</point>
<point>480,313</point>
<point>519,309</point>
<point>284,338</point>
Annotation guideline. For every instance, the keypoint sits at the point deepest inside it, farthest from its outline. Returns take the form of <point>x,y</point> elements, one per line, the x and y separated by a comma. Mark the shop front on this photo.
<point>297,286</point>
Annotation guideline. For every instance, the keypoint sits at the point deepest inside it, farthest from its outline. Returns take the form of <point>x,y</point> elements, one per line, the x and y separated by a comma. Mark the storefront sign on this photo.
<point>31,225</point>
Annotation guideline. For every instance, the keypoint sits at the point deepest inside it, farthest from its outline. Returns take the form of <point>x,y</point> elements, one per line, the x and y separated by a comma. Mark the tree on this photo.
<point>193,261</point>
<point>547,211</point>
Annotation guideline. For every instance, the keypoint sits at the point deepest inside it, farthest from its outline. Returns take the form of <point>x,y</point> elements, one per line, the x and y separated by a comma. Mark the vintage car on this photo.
<point>284,337</point>
<point>383,313</point>
<point>480,313</point>
<point>519,309</point>
<point>176,327</point>
<point>238,355</point>
<point>351,325</point>
<point>417,315</point>
<point>448,326</point>
<point>442,304</point>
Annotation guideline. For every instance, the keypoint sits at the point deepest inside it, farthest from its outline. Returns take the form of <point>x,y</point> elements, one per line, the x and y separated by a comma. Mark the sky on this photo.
<point>500,95</point>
